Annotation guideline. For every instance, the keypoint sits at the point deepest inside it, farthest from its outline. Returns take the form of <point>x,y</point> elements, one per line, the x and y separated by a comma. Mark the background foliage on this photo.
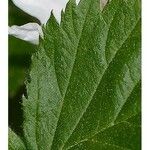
<point>19,62</point>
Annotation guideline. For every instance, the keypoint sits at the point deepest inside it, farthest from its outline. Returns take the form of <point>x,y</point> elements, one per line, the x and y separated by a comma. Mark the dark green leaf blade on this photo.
<point>89,50</point>
<point>41,107</point>
<point>122,136</point>
<point>83,78</point>
<point>116,87</point>
<point>120,34</point>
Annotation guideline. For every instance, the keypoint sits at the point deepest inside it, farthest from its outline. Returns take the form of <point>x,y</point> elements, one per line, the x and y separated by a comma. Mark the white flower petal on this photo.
<point>29,32</point>
<point>103,3</point>
<point>77,2</point>
<point>41,9</point>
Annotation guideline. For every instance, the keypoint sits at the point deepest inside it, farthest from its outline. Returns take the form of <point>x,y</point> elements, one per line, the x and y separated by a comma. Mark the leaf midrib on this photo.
<point>37,112</point>
<point>71,69</point>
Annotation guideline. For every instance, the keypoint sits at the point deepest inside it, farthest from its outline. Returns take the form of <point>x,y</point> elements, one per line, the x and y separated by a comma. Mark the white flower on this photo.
<point>103,3</point>
<point>29,32</point>
<point>41,9</point>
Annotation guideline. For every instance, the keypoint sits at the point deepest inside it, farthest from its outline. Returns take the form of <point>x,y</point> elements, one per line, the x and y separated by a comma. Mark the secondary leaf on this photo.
<point>85,80</point>
<point>15,143</point>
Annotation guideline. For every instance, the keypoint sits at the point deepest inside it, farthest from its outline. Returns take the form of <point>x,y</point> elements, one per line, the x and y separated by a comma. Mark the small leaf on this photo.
<point>15,143</point>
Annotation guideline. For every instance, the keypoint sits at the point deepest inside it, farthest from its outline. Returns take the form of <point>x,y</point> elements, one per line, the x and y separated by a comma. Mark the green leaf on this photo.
<point>15,143</point>
<point>84,88</point>
<point>122,136</point>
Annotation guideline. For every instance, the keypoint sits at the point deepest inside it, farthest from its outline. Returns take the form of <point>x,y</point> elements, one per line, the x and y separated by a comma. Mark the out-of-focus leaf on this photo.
<point>19,51</point>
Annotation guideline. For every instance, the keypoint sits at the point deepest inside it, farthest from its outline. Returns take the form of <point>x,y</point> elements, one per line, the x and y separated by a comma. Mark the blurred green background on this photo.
<point>19,63</point>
